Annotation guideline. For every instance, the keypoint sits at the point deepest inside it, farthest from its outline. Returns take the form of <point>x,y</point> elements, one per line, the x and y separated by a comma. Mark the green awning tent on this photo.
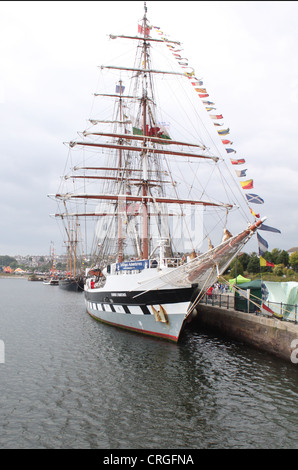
<point>243,303</point>
<point>240,280</point>
<point>256,284</point>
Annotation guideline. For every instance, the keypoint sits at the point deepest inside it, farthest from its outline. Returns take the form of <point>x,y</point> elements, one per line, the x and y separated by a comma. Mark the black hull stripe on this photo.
<point>106,308</point>
<point>145,310</point>
<point>126,309</point>
<point>166,296</point>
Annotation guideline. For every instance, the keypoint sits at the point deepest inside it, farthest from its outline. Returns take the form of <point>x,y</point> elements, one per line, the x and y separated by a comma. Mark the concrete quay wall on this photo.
<point>268,334</point>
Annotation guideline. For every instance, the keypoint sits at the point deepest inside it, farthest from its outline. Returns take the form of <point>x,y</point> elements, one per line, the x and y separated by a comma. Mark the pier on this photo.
<point>278,337</point>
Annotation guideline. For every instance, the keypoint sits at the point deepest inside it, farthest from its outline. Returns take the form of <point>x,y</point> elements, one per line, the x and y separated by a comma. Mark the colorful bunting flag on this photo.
<point>224,132</point>
<point>247,184</point>
<point>241,173</point>
<point>254,198</point>
<point>202,92</point>
<point>254,214</point>
<point>263,245</point>
<point>237,162</point>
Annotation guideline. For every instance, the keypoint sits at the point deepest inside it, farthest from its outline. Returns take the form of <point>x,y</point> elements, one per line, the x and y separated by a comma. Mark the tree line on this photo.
<point>250,263</point>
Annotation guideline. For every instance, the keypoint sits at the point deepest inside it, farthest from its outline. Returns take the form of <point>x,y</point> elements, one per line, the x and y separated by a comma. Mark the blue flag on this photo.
<point>118,89</point>
<point>264,291</point>
<point>254,198</point>
<point>269,229</point>
<point>263,245</point>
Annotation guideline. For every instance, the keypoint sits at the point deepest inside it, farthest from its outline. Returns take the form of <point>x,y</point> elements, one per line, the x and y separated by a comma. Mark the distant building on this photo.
<point>292,250</point>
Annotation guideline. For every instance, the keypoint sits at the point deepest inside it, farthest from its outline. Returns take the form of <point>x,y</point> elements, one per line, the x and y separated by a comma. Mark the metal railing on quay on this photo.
<point>286,312</point>
<point>223,300</point>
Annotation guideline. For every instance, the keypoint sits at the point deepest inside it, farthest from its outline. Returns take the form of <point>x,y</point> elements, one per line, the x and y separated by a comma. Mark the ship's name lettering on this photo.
<point>118,294</point>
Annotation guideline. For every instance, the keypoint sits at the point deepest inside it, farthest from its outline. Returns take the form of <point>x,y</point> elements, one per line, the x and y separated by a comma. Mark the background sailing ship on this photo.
<point>151,171</point>
<point>52,279</point>
<point>73,279</point>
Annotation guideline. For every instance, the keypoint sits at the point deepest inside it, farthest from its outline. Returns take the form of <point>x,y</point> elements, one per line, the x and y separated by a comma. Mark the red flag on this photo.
<point>268,310</point>
<point>141,30</point>
<point>237,162</point>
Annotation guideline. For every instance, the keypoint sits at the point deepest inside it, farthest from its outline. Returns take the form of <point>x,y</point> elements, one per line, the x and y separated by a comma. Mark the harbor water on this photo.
<point>69,382</point>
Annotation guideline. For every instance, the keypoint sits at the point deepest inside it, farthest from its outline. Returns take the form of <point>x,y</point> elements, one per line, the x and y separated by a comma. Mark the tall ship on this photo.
<point>73,279</point>
<point>151,178</point>
<point>52,278</point>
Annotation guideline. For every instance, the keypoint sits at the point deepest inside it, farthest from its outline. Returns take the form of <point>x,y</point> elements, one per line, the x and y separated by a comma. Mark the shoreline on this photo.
<point>14,276</point>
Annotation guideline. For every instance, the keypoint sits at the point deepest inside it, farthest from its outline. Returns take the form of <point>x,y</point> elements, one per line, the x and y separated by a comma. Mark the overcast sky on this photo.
<point>246,53</point>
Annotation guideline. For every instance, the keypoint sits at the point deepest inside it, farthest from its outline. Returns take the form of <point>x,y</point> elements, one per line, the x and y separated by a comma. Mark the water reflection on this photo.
<point>71,382</point>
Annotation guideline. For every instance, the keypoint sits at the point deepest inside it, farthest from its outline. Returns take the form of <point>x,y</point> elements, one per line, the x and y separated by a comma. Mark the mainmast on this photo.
<point>120,238</point>
<point>144,153</point>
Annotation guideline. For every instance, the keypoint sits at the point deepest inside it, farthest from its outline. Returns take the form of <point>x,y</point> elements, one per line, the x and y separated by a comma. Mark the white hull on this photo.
<point>157,301</point>
<point>137,321</point>
<point>122,302</point>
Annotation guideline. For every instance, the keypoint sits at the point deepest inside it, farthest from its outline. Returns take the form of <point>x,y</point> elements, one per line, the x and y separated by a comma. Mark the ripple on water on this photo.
<point>71,382</point>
